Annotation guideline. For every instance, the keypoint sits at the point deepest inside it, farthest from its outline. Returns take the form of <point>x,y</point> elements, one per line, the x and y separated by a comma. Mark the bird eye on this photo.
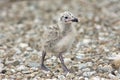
<point>66,17</point>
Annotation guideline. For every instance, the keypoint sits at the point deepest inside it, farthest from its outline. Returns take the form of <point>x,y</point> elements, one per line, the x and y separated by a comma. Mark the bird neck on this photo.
<point>65,28</point>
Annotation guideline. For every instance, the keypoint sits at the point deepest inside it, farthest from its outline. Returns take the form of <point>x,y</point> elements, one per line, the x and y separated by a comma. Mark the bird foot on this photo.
<point>43,67</point>
<point>67,70</point>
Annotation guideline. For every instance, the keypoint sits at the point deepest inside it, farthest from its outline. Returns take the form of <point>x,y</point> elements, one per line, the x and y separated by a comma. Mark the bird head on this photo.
<point>67,17</point>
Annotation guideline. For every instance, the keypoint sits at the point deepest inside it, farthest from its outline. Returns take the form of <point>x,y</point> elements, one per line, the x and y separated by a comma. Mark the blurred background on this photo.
<point>21,28</point>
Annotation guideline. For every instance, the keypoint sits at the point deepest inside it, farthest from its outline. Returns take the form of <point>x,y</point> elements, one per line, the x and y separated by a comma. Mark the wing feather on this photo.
<point>51,36</point>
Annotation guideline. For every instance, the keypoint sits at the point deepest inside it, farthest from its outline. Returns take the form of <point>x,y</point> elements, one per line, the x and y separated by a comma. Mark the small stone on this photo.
<point>67,60</point>
<point>81,78</point>
<point>88,74</point>
<point>89,64</point>
<point>27,72</point>
<point>53,58</point>
<point>61,77</point>
<point>34,64</point>
<point>70,75</point>
<point>86,78</point>
<point>114,72</point>
<point>3,71</point>
<point>21,67</point>
<point>1,67</point>
<point>95,78</point>
<point>80,56</point>
<point>29,49</point>
<point>86,69</point>
<point>82,66</point>
<point>13,70</point>
<point>2,51</point>
<point>86,41</point>
<point>15,63</point>
<point>106,49</point>
<point>116,63</point>
<point>18,51</point>
<point>34,57</point>
<point>113,77</point>
<point>23,45</point>
<point>98,26</point>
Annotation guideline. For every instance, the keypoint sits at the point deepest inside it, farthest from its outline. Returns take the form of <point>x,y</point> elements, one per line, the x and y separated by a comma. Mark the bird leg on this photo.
<point>63,64</point>
<point>42,62</point>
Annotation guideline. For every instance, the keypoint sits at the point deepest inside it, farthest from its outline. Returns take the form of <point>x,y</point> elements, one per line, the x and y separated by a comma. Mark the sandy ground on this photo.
<point>95,54</point>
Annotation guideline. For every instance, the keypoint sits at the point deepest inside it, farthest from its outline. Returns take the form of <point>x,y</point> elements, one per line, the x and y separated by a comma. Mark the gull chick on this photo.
<point>58,39</point>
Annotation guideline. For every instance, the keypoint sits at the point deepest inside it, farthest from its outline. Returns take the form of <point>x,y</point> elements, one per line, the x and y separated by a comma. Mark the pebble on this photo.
<point>53,58</point>
<point>34,64</point>
<point>27,72</point>
<point>15,63</point>
<point>82,66</point>
<point>13,70</point>
<point>1,67</point>
<point>2,51</point>
<point>90,64</point>
<point>18,51</point>
<point>80,56</point>
<point>86,78</point>
<point>29,49</point>
<point>113,77</point>
<point>61,77</point>
<point>89,74</point>
<point>23,45</point>
<point>81,78</point>
<point>96,78</point>
<point>86,41</point>
<point>67,60</point>
<point>21,68</point>
<point>86,69</point>
<point>116,62</point>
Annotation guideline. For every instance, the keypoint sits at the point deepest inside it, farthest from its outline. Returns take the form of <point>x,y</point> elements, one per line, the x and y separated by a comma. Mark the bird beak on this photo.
<point>74,20</point>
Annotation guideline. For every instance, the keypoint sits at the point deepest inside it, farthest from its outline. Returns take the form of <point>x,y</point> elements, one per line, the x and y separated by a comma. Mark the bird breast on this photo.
<point>61,42</point>
<point>64,43</point>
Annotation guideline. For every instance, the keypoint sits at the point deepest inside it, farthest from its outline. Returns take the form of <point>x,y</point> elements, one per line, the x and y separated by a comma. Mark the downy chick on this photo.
<point>58,39</point>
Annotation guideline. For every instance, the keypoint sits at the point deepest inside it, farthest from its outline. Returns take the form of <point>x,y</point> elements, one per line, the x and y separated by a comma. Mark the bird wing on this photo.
<point>51,35</point>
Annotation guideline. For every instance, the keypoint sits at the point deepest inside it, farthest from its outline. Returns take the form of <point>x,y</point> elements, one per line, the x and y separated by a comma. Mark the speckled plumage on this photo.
<point>50,37</point>
<point>56,40</point>
<point>59,38</point>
